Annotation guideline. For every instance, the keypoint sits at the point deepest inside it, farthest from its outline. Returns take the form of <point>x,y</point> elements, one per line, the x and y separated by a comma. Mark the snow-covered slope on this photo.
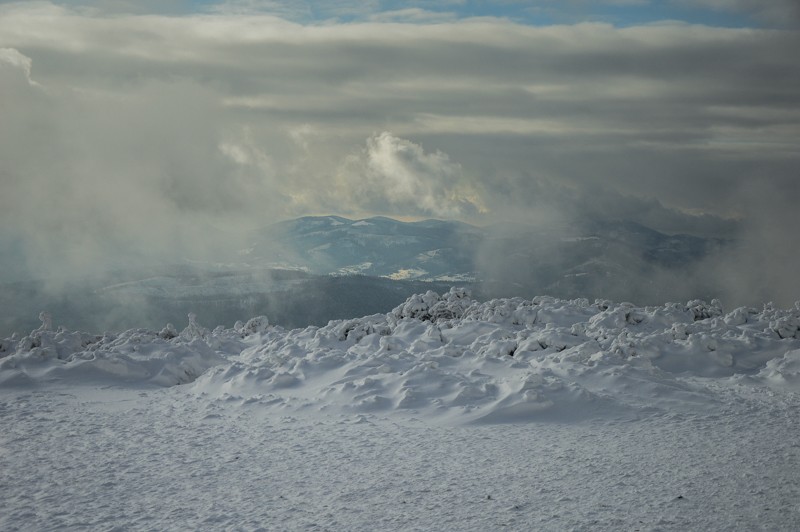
<point>444,414</point>
<point>451,357</point>
<point>378,246</point>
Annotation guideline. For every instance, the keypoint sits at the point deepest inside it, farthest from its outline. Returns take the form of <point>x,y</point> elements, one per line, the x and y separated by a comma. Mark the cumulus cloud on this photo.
<point>396,176</point>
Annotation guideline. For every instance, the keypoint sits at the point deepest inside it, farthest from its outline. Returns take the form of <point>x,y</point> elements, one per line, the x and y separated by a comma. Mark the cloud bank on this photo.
<point>152,135</point>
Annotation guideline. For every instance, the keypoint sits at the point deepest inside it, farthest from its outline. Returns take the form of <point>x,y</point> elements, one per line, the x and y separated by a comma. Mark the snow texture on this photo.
<point>446,413</point>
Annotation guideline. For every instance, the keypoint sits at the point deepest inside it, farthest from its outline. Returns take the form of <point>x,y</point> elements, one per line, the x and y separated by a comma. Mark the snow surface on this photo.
<point>446,413</point>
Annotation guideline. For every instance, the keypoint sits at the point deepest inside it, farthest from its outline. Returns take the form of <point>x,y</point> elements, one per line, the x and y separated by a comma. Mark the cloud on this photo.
<point>12,59</point>
<point>395,176</point>
<point>91,181</point>
<point>145,131</point>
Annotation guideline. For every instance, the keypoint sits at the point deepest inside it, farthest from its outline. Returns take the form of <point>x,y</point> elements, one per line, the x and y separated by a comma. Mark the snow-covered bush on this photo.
<point>168,332</point>
<point>786,326</point>
<point>356,330</point>
<point>194,329</point>
<point>432,307</point>
<point>703,311</point>
<point>258,324</point>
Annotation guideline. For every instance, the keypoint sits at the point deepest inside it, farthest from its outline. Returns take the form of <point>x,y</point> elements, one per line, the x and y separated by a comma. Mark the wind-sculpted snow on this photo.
<point>164,358</point>
<point>450,358</point>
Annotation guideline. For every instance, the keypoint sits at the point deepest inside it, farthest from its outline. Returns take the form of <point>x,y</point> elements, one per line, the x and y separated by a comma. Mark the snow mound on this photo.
<point>166,358</point>
<point>449,357</point>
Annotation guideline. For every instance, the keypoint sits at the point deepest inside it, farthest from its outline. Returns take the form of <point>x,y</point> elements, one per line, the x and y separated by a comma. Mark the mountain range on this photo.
<point>590,258</point>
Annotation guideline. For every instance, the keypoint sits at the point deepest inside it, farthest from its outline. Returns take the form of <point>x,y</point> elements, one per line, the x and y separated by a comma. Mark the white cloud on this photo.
<point>396,176</point>
<point>9,57</point>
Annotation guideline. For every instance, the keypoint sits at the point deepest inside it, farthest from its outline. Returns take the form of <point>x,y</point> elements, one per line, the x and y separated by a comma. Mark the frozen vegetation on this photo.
<point>445,413</point>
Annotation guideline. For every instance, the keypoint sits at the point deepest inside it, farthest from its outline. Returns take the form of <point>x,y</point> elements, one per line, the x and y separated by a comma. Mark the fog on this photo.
<point>744,261</point>
<point>130,140</point>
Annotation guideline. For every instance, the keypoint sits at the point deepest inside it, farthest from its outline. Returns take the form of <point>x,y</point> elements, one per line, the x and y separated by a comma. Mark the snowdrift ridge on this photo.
<point>448,357</point>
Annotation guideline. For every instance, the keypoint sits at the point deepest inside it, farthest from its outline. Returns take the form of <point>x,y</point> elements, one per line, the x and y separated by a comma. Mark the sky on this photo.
<point>152,127</point>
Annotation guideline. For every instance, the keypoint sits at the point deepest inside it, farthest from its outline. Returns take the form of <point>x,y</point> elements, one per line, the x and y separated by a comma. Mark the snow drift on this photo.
<point>450,358</point>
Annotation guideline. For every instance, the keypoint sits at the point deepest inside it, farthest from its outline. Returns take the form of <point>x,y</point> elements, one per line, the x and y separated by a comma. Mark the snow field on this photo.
<point>446,413</point>
<point>108,459</point>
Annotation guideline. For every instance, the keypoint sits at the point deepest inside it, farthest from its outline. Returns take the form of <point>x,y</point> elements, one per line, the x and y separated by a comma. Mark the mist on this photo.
<point>748,260</point>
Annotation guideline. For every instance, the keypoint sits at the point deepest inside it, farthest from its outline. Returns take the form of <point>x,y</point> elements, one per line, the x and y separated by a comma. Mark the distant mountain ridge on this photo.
<point>586,259</point>
<point>429,250</point>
